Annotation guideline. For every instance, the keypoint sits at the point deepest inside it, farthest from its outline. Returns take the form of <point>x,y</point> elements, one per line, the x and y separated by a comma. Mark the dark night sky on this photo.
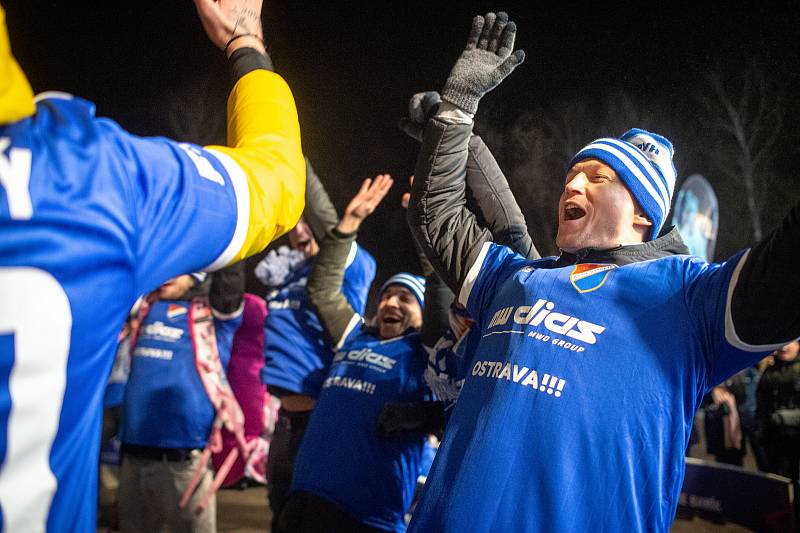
<point>352,68</point>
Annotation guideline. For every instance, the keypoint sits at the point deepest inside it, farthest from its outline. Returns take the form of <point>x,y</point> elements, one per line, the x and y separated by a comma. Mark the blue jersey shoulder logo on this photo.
<point>589,277</point>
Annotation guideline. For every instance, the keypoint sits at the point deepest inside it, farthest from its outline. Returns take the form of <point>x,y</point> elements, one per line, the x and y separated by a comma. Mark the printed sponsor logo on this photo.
<point>365,355</point>
<point>541,313</point>
<point>521,375</point>
<point>160,331</point>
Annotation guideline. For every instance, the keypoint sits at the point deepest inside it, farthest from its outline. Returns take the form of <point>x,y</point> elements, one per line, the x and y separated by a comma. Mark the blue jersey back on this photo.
<point>296,352</point>
<point>90,217</point>
<point>580,396</point>
<point>341,458</point>
<point>166,404</point>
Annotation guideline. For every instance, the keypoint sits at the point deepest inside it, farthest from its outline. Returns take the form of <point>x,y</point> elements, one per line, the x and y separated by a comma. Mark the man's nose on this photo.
<point>577,183</point>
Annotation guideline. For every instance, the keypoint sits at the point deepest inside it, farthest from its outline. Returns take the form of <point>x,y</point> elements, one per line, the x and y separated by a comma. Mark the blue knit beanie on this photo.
<point>416,284</point>
<point>643,160</point>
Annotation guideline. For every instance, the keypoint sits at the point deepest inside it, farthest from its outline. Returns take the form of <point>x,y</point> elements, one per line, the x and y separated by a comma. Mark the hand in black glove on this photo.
<point>421,107</point>
<point>398,419</point>
<point>484,63</point>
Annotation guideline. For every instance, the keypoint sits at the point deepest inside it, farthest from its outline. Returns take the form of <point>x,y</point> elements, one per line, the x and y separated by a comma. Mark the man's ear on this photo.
<point>640,219</point>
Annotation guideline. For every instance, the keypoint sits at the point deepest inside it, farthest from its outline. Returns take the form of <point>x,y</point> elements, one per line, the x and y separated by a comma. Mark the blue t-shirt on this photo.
<point>296,352</point>
<point>578,405</point>
<point>341,458</point>
<point>166,404</point>
<point>90,218</point>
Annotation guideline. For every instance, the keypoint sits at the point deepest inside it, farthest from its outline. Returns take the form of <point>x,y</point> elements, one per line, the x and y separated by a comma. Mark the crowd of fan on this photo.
<point>339,414</point>
<point>759,409</point>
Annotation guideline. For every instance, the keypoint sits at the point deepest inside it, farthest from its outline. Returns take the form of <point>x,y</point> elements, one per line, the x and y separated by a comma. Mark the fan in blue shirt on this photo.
<point>588,367</point>
<point>347,477</point>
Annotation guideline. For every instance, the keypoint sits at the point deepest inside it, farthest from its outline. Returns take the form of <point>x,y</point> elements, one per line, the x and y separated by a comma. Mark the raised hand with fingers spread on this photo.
<point>363,204</point>
<point>484,63</point>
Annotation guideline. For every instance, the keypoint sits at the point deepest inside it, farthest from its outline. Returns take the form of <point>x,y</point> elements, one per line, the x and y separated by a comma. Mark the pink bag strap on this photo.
<point>228,412</point>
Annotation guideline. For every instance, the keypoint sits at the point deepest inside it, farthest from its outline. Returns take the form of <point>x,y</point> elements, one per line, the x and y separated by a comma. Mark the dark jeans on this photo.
<point>289,431</point>
<point>307,513</point>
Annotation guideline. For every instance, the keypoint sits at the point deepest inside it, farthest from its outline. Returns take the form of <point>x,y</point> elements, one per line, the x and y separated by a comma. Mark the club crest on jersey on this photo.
<point>174,311</point>
<point>589,277</point>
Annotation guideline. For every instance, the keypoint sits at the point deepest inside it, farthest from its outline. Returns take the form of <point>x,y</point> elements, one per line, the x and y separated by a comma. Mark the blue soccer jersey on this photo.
<point>296,352</point>
<point>166,404</point>
<point>341,458</point>
<point>579,400</point>
<point>90,218</point>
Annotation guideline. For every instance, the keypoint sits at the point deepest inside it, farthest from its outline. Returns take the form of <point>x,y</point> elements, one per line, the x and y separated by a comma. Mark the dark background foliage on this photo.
<point>590,71</point>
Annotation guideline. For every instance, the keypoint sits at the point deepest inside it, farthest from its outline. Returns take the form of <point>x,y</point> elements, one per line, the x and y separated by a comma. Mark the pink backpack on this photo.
<point>259,409</point>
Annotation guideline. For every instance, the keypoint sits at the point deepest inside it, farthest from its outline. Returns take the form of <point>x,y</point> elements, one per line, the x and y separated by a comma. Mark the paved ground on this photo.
<point>245,511</point>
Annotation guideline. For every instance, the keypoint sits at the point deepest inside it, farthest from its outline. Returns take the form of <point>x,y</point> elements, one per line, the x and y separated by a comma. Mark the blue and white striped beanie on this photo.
<point>416,284</point>
<point>644,162</point>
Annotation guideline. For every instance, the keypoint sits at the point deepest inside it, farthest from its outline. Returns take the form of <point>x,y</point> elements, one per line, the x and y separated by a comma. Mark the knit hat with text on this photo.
<point>643,161</point>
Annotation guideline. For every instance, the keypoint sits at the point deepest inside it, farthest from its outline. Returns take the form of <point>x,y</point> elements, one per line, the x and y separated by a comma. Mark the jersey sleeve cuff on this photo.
<point>730,329</point>
<point>355,320</point>
<point>242,193</point>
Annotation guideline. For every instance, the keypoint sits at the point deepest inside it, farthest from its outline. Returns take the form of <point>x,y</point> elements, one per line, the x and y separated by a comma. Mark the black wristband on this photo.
<point>235,37</point>
<point>341,235</point>
<point>246,60</point>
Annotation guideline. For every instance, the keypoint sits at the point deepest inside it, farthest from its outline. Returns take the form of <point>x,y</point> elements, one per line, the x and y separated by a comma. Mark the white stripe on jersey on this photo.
<point>239,181</point>
<point>355,320</point>
<point>41,321</point>
<point>472,275</point>
<point>730,331</point>
<point>351,255</point>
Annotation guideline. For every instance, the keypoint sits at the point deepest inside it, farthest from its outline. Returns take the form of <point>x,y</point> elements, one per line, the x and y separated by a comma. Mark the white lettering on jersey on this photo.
<point>161,331</point>
<point>37,313</point>
<point>153,353</point>
<point>521,375</point>
<point>541,313</point>
<point>15,177</point>
<point>204,167</point>
<point>368,356</point>
<point>345,382</point>
<point>294,305</point>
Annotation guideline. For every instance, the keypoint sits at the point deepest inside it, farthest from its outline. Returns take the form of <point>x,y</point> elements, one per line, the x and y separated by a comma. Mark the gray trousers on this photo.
<point>149,493</point>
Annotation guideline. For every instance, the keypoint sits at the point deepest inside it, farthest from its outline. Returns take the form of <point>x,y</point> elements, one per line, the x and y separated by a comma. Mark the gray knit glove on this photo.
<point>421,107</point>
<point>484,63</point>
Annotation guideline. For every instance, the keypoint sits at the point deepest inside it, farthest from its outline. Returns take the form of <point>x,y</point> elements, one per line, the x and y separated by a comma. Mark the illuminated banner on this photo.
<point>696,215</point>
<point>723,493</point>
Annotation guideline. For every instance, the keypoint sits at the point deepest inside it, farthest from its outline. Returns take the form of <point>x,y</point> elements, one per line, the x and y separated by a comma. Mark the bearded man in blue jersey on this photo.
<point>578,404</point>
<point>347,477</point>
<point>91,217</point>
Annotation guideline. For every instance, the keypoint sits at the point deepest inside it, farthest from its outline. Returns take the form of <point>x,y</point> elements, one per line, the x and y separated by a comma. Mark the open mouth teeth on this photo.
<point>391,319</point>
<point>573,212</point>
